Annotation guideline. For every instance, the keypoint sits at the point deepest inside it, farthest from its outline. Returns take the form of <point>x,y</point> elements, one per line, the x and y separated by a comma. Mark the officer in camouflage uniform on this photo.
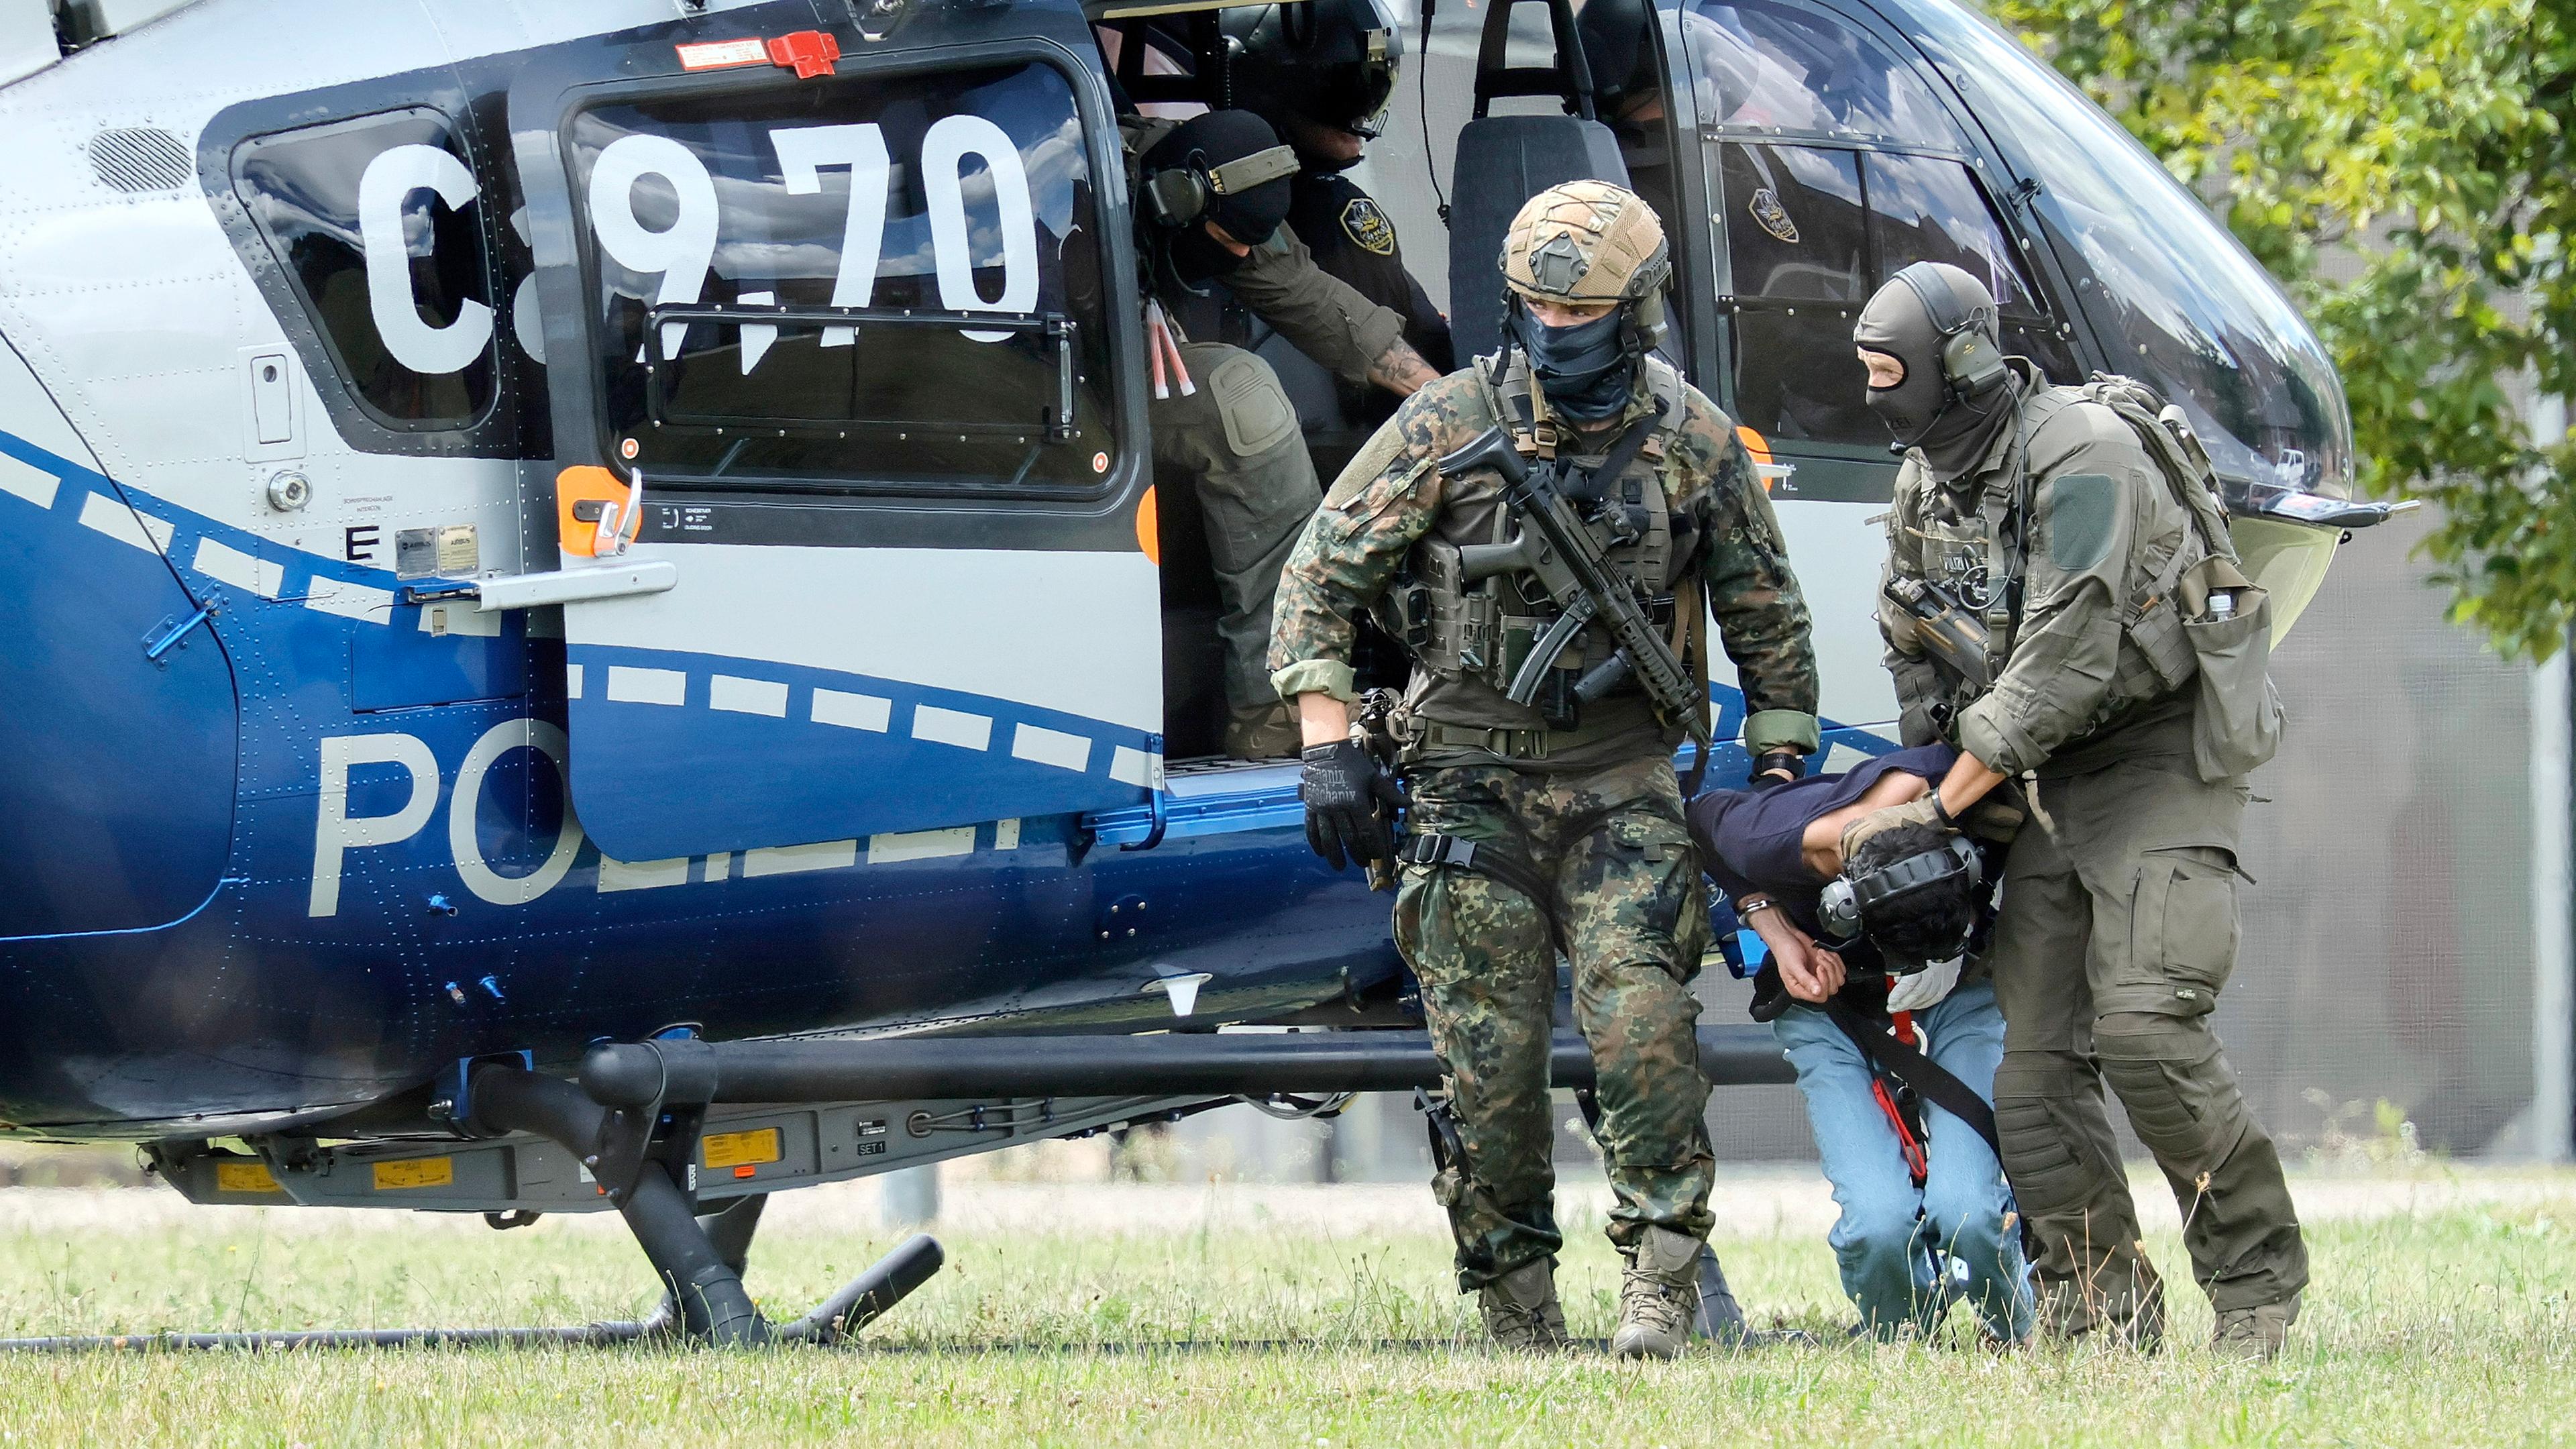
<point>1232,427</point>
<point>1551,826</point>
<point>2097,565</point>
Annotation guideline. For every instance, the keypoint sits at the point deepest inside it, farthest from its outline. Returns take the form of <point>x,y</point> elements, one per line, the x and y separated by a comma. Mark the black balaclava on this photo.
<point>1206,142</point>
<point>1924,411</point>
<point>1586,370</point>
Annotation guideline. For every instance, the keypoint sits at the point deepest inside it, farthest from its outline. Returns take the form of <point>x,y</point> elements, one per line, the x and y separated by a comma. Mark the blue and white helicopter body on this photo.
<point>348,738</point>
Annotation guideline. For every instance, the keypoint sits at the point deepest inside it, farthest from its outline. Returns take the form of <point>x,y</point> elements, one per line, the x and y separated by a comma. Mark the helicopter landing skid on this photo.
<point>840,1317</point>
<point>641,1165</point>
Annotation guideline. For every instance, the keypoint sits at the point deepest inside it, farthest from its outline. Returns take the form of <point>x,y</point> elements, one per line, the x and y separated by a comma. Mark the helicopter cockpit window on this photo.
<point>786,280</point>
<point>1763,66</point>
<point>375,222</point>
<point>2185,309</point>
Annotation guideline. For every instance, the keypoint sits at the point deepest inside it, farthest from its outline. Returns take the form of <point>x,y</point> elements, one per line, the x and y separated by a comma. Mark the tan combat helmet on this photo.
<point>1590,241</point>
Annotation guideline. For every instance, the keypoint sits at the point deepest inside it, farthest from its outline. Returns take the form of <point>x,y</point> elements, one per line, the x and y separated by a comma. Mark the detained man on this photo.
<point>1869,955</point>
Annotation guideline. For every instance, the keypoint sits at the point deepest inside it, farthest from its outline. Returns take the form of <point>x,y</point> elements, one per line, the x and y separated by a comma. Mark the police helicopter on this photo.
<point>589,622</point>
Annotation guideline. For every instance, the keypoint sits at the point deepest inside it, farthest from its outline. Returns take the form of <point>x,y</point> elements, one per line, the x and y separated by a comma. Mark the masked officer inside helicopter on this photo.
<point>1322,72</point>
<point>1875,986</point>
<point>1211,195</point>
<point>2061,602</point>
<point>1541,819</point>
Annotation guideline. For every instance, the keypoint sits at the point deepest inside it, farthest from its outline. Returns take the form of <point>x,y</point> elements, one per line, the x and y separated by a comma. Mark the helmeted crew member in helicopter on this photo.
<point>2062,603</point>
<point>1322,72</point>
<point>1544,812</point>
<point>1211,193</point>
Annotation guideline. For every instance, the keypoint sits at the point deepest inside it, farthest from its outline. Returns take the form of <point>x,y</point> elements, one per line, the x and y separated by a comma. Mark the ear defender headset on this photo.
<point>1850,901</point>
<point>1179,195</point>
<point>1970,362</point>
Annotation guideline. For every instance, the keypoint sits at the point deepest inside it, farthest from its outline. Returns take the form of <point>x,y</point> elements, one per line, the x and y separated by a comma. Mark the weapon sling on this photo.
<point>1929,1079</point>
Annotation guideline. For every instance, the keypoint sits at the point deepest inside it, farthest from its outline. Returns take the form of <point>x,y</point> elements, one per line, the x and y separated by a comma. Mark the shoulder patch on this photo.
<point>1367,226</point>
<point>1771,216</point>
<point>1371,463</point>
<point>2082,509</point>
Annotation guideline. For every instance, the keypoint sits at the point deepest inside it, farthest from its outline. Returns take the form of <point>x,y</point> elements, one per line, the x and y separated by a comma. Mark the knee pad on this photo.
<point>2168,1073</point>
<point>2037,1135</point>
<point>2040,1074</point>
<point>1258,416</point>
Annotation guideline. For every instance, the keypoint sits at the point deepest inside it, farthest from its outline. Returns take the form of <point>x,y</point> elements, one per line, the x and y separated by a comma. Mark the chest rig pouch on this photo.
<point>1464,603</point>
<point>1976,557</point>
<point>1969,599</point>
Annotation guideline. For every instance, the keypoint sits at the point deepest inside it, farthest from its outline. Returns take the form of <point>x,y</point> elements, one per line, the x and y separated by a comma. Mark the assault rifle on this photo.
<point>1556,546</point>
<point>1953,633</point>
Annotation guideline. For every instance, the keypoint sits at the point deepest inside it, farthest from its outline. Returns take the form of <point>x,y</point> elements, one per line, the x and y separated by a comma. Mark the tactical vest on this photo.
<point>1461,623</point>
<point>1975,546</point>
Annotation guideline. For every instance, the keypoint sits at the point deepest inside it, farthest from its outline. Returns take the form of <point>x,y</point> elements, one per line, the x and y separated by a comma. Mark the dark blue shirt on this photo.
<point>1754,841</point>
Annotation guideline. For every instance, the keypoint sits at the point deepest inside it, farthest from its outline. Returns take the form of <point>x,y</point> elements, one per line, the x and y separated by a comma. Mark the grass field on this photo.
<point>2440,1325</point>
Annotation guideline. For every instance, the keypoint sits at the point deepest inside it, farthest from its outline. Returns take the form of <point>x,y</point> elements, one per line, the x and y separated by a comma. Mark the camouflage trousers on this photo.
<point>1629,906</point>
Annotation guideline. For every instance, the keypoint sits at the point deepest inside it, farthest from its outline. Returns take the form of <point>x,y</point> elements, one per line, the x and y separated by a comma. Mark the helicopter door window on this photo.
<point>1928,208</point>
<point>786,279</point>
<point>1763,66</point>
<point>1797,249</point>
<point>375,222</point>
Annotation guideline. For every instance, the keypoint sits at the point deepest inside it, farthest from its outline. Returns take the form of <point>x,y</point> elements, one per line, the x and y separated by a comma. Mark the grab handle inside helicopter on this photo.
<point>1570,78</point>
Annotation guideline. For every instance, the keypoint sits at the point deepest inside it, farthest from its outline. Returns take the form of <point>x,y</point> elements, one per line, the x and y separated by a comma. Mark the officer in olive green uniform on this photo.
<point>2095,562</point>
<point>1554,824</point>
<point>1216,215</point>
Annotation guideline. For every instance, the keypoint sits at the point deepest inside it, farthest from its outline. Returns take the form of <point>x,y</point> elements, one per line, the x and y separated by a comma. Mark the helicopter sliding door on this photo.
<point>848,321</point>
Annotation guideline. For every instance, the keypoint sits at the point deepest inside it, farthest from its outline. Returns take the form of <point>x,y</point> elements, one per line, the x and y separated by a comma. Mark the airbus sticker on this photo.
<point>1368,227</point>
<point>1772,217</point>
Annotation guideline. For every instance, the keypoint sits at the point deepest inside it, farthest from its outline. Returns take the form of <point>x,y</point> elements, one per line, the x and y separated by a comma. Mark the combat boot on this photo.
<point>1520,1308</point>
<point>2254,1334</point>
<point>1659,1298</point>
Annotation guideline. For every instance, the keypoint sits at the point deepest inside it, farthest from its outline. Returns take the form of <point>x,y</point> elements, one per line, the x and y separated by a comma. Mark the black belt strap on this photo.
<point>1929,1079</point>
<point>1451,850</point>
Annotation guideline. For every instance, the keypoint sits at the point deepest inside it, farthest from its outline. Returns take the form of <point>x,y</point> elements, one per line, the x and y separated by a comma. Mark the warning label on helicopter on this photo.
<point>415,1172</point>
<point>245,1177</point>
<point>741,1149</point>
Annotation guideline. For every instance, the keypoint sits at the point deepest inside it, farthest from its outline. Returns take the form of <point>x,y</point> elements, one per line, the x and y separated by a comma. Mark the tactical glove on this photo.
<point>1993,818</point>
<point>1923,810</point>
<point>1350,801</point>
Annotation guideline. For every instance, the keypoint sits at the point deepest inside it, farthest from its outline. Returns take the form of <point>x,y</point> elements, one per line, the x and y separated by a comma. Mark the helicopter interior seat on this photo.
<point>1502,161</point>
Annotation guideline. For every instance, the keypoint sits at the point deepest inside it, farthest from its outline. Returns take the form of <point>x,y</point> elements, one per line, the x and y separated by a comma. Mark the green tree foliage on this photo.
<point>2432,138</point>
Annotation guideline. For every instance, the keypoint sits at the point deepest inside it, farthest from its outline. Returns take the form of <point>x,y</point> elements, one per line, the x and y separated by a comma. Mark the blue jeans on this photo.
<point>1889,1231</point>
